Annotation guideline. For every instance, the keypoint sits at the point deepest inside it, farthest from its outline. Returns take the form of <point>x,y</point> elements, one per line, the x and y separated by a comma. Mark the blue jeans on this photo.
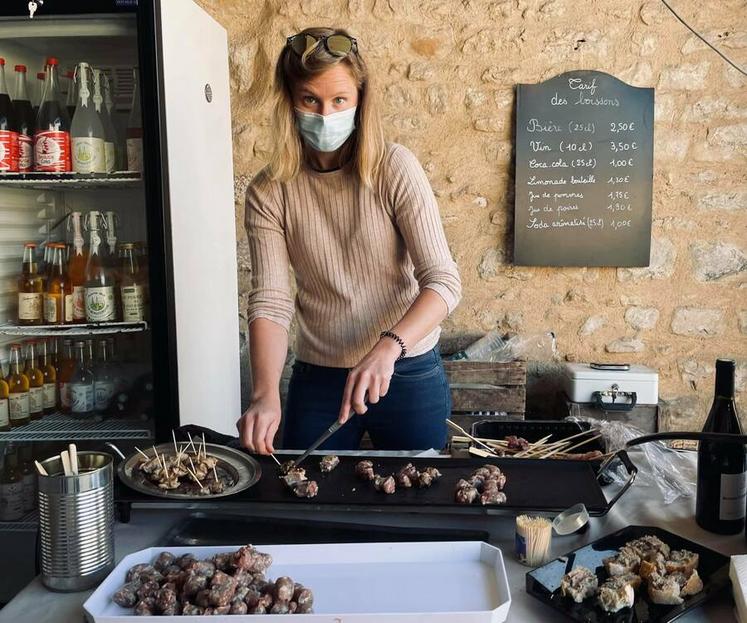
<point>412,416</point>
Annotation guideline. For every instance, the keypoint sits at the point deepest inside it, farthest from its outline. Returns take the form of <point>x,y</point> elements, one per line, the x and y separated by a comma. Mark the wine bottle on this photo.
<point>722,482</point>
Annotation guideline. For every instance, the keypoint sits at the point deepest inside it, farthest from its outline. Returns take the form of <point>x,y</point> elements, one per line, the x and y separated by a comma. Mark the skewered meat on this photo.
<point>293,477</point>
<point>485,483</point>
<point>385,484</point>
<point>328,463</point>
<point>184,472</point>
<point>516,443</point>
<point>287,466</point>
<point>306,489</point>
<point>126,595</point>
<point>579,584</point>
<point>364,470</point>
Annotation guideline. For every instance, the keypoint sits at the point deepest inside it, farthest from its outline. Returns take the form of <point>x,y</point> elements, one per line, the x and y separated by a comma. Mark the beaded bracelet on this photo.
<point>398,339</point>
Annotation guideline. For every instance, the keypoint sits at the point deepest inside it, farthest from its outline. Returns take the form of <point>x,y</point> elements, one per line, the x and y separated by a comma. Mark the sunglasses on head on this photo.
<point>337,45</point>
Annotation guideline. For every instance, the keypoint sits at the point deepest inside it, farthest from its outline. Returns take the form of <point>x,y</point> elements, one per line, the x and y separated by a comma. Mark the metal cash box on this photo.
<point>611,387</point>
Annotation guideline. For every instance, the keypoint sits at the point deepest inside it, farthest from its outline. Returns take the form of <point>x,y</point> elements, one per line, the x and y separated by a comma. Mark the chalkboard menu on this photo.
<point>584,172</point>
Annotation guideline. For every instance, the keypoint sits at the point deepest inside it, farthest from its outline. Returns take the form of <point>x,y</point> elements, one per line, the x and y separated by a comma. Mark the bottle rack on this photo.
<point>53,330</point>
<point>71,181</point>
<point>60,427</point>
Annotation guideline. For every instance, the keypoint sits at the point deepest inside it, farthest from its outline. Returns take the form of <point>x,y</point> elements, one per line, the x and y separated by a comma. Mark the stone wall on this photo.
<point>446,71</point>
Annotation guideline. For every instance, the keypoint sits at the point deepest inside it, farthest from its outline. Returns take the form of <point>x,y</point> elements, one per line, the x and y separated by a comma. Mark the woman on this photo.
<point>356,219</point>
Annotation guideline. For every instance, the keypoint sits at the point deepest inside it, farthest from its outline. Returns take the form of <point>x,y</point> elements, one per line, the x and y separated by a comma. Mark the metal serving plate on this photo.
<point>244,470</point>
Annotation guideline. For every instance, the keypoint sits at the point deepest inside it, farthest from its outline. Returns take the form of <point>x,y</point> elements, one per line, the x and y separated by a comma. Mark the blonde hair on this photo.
<point>366,147</point>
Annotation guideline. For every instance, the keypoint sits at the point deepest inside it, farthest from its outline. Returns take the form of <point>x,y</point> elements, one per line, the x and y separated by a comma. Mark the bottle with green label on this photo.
<point>86,130</point>
<point>100,301</point>
<point>18,384</point>
<point>81,385</point>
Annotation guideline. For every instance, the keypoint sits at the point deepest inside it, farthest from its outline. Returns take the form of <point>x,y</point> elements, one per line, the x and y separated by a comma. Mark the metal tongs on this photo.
<point>324,436</point>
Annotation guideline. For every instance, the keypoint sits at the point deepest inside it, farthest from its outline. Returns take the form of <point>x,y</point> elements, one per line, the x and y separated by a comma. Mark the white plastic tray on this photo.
<point>455,582</point>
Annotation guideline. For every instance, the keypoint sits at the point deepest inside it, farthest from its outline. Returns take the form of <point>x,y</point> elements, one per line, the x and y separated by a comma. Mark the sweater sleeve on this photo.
<point>270,294</point>
<point>416,214</point>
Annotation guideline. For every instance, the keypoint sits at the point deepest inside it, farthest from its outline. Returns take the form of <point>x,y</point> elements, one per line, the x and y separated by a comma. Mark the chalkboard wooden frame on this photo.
<point>584,171</point>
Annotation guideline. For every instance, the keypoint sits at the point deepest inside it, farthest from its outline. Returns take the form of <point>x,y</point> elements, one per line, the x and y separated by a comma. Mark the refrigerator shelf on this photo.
<point>59,427</point>
<point>28,523</point>
<point>55,330</point>
<point>71,181</point>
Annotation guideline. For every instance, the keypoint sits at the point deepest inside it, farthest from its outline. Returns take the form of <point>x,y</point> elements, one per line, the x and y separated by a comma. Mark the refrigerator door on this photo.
<point>199,223</point>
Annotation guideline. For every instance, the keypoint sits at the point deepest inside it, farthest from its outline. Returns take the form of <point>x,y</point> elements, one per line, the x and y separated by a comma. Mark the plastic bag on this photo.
<point>671,471</point>
<point>494,348</point>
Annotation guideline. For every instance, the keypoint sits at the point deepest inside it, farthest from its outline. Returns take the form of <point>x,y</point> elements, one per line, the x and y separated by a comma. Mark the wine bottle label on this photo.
<point>25,153</point>
<point>36,399</point>
<point>8,150</point>
<point>65,397</point>
<point>88,155</point>
<point>50,395</point>
<point>110,156</point>
<point>50,308</point>
<point>733,495</point>
<point>4,417</point>
<point>29,306</point>
<point>82,397</point>
<point>79,303</point>
<point>100,305</point>
<point>69,304</point>
<point>28,495</point>
<point>52,151</point>
<point>11,501</point>
<point>18,406</point>
<point>104,393</point>
<point>135,154</point>
<point>132,303</point>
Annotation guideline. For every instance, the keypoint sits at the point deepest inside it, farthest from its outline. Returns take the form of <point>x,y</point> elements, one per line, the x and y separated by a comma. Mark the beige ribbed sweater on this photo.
<point>359,262</point>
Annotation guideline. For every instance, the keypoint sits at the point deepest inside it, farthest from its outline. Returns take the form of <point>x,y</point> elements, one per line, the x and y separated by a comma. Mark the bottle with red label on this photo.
<point>52,137</point>
<point>25,122</point>
<point>8,133</point>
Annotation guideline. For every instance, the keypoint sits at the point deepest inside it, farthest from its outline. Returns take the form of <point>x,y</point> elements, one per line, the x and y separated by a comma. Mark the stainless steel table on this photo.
<point>642,505</point>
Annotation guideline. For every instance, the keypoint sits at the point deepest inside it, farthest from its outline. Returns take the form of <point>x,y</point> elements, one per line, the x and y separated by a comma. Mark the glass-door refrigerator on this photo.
<point>161,219</point>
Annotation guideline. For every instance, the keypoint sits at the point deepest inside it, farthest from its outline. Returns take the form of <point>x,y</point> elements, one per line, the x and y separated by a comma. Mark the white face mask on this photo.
<point>326,132</point>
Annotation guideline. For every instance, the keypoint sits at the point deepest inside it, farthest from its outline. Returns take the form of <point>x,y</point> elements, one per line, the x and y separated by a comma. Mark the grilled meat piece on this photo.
<point>385,484</point>
<point>364,470</point>
<point>306,489</point>
<point>328,463</point>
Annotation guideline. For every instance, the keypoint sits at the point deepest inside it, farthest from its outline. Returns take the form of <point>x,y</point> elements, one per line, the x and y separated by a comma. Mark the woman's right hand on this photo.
<point>257,427</point>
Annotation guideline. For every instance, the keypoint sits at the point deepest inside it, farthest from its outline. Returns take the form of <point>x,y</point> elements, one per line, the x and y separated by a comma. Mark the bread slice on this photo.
<point>579,584</point>
<point>626,561</point>
<point>649,547</point>
<point>681,561</point>
<point>690,583</point>
<point>664,589</point>
<point>647,568</point>
<point>615,594</point>
<point>631,578</point>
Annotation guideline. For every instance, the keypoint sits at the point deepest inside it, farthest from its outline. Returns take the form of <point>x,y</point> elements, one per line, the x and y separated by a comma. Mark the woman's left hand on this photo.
<point>369,380</point>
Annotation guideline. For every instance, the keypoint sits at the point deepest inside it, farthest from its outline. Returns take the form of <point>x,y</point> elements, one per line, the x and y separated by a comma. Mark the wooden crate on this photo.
<point>485,386</point>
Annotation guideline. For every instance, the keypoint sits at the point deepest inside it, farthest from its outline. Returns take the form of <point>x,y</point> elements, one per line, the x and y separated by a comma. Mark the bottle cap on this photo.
<point>2,61</point>
<point>21,68</point>
<point>52,61</point>
<point>30,245</point>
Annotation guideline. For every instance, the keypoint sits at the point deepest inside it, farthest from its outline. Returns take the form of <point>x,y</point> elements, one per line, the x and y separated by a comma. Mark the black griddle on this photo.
<point>542,486</point>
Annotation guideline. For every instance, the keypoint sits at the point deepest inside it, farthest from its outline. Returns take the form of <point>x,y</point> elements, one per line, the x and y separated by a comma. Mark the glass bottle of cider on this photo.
<point>4,409</point>
<point>82,388</point>
<point>76,273</point>
<point>109,121</point>
<point>131,287</point>
<point>18,385</point>
<point>86,130</point>
<point>64,374</point>
<point>30,289</point>
<point>135,130</point>
<point>36,382</point>
<point>99,81</point>
<point>100,303</point>
<point>49,393</point>
<point>55,296</point>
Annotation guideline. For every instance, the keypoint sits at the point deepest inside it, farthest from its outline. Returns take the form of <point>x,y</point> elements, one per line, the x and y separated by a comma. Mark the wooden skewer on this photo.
<point>204,448</point>
<point>532,446</point>
<point>274,458</point>
<point>40,468</point>
<point>73,453</point>
<point>65,458</point>
<point>215,473</point>
<point>192,443</point>
<point>475,439</point>
<point>196,479</point>
<point>568,450</point>
<point>479,452</point>
<point>173,436</point>
<point>143,453</point>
